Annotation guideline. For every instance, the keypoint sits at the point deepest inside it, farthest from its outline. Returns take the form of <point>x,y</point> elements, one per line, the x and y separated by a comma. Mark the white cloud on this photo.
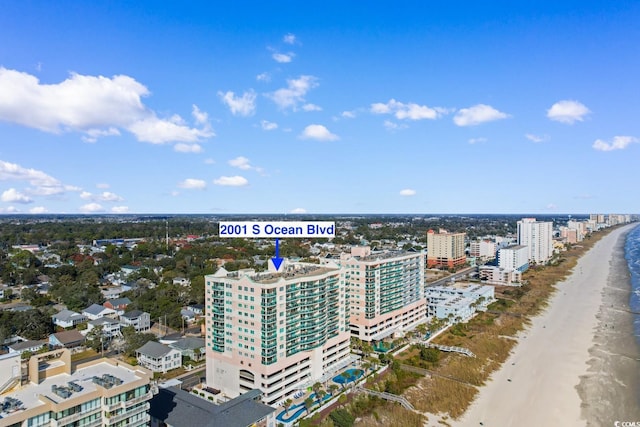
<point>266,125</point>
<point>240,163</point>
<point>91,208</point>
<point>102,185</point>
<point>120,209</point>
<point>536,138</point>
<point>188,148</point>
<point>348,114</point>
<point>319,133</point>
<point>38,210</point>
<point>618,143</point>
<point>105,196</point>
<point>294,93</point>
<point>283,58</point>
<point>289,38</point>
<point>263,77</point>
<point>477,140</point>
<point>201,117</point>
<point>567,111</point>
<point>14,196</point>
<point>407,192</point>
<point>409,111</point>
<point>95,106</point>
<point>191,183</point>
<point>298,211</point>
<point>231,181</point>
<point>209,161</point>
<point>108,196</point>
<point>478,114</point>
<point>551,206</point>
<point>240,106</point>
<point>311,107</point>
<point>9,209</point>
<point>41,183</point>
<point>389,125</point>
<point>159,131</point>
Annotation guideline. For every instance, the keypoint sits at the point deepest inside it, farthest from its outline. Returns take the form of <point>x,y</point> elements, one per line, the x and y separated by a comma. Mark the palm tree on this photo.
<point>320,395</point>
<point>287,404</point>
<point>346,377</point>
<point>333,388</point>
<point>317,387</point>
<point>308,403</point>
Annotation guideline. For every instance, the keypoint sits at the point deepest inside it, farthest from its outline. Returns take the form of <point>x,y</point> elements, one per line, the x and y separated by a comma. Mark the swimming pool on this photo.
<point>354,374</point>
<point>295,413</point>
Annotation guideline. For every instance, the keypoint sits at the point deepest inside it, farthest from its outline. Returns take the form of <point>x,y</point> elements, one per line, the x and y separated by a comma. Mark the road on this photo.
<point>444,280</point>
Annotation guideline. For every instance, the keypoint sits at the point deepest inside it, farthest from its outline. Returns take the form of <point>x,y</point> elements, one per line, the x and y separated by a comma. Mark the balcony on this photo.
<point>129,403</point>
<point>114,419</point>
<point>74,417</point>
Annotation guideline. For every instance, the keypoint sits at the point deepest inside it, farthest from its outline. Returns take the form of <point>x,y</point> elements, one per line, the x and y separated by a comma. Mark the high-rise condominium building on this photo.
<point>103,392</point>
<point>386,291</point>
<point>277,332</point>
<point>514,257</point>
<point>538,237</point>
<point>445,249</point>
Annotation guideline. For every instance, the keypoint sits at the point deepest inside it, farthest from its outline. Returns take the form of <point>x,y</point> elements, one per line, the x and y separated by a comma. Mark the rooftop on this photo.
<point>288,272</point>
<point>34,395</point>
<point>178,408</point>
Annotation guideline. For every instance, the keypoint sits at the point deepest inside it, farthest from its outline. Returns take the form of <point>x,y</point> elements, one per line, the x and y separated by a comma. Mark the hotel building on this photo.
<point>103,392</point>
<point>445,249</point>
<point>386,291</point>
<point>514,258</point>
<point>537,236</point>
<point>277,331</point>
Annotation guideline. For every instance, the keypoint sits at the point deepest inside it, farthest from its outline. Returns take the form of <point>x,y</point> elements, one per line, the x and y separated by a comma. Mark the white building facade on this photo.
<point>514,258</point>
<point>278,332</point>
<point>537,236</point>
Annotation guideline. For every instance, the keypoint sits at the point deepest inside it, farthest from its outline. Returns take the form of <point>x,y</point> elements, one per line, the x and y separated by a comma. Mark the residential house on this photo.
<point>118,304</point>
<point>188,315</point>
<point>182,281</point>
<point>140,320</point>
<point>73,340</point>
<point>191,347</point>
<point>112,292</point>
<point>158,357</point>
<point>198,309</point>
<point>68,319</point>
<point>30,346</point>
<point>110,327</point>
<point>96,311</point>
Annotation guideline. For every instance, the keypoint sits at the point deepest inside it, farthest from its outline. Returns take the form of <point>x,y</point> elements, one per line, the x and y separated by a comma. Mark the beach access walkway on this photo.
<point>388,396</point>
<point>453,349</point>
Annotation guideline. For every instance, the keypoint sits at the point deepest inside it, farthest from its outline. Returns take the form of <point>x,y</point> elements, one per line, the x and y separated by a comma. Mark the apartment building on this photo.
<point>537,236</point>
<point>103,392</point>
<point>277,331</point>
<point>514,257</point>
<point>483,249</point>
<point>445,249</point>
<point>386,291</point>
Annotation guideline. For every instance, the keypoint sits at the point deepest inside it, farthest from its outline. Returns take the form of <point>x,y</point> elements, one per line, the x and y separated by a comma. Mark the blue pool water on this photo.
<point>354,374</point>
<point>296,411</point>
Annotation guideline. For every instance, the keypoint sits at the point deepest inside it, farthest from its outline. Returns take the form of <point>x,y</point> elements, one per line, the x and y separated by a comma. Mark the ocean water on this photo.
<point>632,255</point>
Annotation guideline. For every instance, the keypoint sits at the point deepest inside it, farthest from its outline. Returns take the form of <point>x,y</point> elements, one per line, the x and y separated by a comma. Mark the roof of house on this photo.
<point>197,306</point>
<point>94,309</point>
<point>178,408</point>
<point>68,337</point>
<point>188,343</point>
<point>24,345</point>
<point>65,315</point>
<point>187,313</point>
<point>103,321</point>
<point>154,349</point>
<point>118,301</point>
<point>133,314</point>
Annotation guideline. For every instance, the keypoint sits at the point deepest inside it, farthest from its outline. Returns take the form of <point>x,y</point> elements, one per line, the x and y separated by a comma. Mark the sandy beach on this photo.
<point>561,370</point>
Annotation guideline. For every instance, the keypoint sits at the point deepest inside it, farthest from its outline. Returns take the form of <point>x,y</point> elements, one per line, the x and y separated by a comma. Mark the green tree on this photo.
<point>308,404</point>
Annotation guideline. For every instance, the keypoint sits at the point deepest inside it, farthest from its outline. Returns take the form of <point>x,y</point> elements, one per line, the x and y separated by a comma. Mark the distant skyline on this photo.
<point>319,107</point>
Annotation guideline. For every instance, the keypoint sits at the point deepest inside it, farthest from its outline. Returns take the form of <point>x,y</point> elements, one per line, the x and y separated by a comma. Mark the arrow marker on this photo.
<point>277,261</point>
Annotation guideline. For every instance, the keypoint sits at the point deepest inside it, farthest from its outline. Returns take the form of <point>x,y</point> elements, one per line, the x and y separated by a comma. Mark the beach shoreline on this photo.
<point>553,375</point>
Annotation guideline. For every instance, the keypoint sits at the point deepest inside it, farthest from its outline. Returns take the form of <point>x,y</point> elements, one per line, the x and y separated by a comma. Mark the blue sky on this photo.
<point>319,107</point>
